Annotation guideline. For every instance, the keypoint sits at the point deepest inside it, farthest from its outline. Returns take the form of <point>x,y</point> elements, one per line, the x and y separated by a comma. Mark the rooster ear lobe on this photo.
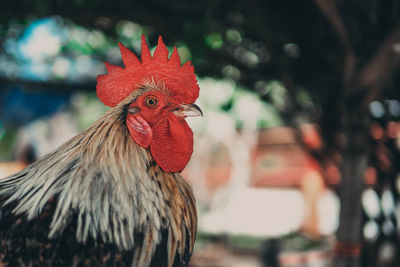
<point>139,129</point>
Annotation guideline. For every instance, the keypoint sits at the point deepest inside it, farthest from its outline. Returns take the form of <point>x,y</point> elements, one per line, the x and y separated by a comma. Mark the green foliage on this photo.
<point>87,108</point>
<point>214,41</point>
<point>8,138</point>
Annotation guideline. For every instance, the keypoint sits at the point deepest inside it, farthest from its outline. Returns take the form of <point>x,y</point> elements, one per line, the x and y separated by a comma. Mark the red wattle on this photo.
<point>172,144</point>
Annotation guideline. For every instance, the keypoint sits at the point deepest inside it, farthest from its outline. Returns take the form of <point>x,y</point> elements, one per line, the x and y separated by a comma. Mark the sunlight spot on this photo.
<point>377,109</point>
<point>387,203</point>
<point>328,210</point>
<point>233,36</point>
<point>232,72</point>
<point>128,29</point>
<point>246,57</point>
<point>370,202</point>
<point>41,39</point>
<point>371,230</point>
<point>83,64</point>
<point>388,227</point>
<point>394,107</point>
<point>221,91</point>
<point>61,67</point>
<point>79,35</point>
<point>96,39</point>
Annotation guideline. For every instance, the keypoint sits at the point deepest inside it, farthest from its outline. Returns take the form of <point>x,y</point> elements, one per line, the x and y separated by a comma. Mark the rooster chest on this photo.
<point>104,224</point>
<point>26,241</point>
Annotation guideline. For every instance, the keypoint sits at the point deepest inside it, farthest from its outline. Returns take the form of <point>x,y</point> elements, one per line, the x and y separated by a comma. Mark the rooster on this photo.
<point>112,195</point>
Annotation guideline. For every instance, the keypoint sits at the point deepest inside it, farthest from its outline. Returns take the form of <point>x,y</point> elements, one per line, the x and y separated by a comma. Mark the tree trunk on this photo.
<point>355,160</point>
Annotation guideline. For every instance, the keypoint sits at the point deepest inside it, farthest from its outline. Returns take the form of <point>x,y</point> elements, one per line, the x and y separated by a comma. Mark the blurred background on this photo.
<point>296,159</point>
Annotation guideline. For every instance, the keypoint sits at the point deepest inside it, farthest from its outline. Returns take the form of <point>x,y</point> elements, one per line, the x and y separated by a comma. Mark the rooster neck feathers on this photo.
<point>114,187</point>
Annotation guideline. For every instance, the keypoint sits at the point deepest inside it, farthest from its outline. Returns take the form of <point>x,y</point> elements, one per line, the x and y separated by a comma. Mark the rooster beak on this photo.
<point>190,110</point>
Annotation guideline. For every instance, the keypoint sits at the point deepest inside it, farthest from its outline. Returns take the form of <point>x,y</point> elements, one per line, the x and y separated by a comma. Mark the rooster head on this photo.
<point>160,93</point>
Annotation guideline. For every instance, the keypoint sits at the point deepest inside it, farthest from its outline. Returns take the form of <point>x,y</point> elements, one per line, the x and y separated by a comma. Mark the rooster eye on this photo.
<point>151,101</point>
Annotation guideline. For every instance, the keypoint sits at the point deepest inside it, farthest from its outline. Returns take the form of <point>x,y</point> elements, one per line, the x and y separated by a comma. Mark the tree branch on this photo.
<point>331,13</point>
<point>380,68</point>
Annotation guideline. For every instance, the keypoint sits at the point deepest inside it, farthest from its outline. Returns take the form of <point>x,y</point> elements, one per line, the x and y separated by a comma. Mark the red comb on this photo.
<point>181,81</point>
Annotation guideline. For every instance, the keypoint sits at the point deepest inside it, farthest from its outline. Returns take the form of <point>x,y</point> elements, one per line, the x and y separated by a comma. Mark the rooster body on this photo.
<point>113,195</point>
